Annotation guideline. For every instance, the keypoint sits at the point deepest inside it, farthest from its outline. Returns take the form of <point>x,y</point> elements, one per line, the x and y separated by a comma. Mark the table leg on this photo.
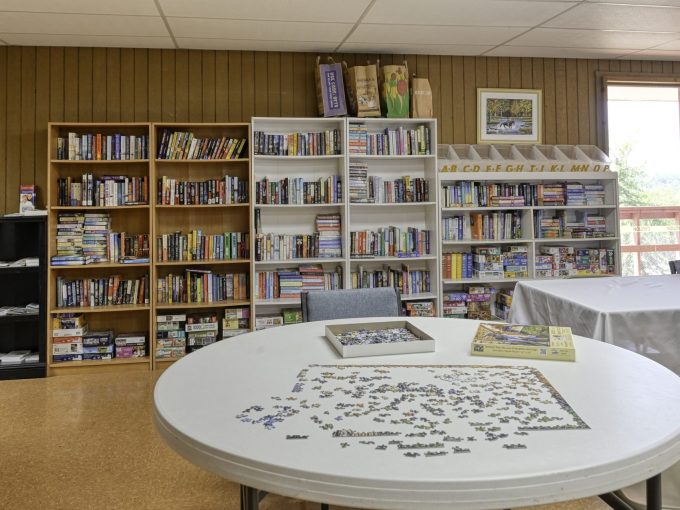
<point>654,493</point>
<point>249,498</point>
<point>618,501</point>
<point>324,506</point>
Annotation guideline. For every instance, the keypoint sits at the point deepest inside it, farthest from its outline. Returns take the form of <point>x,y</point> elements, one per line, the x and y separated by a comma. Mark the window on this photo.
<point>644,146</point>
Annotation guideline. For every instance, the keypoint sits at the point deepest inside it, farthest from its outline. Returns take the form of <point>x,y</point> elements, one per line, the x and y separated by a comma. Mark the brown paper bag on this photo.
<point>421,98</point>
<point>363,98</point>
<point>394,93</point>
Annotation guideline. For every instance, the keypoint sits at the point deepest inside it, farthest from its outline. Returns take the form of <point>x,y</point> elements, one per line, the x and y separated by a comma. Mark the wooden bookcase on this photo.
<point>133,219</point>
<point>20,237</point>
<point>211,219</point>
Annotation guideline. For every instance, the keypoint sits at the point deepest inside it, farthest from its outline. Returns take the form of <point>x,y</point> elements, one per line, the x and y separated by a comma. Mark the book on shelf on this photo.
<point>100,146</point>
<point>201,286</point>
<point>102,191</point>
<point>298,191</point>
<point>522,341</point>
<point>407,281</point>
<point>400,141</point>
<point>196,245</point>
<point>290,282</point>
<point>27,196</point>
<point>319,143</point>
<point>390,242</point>
<point>185,145</point>
<point>110,290</point>
<point>224,191</point>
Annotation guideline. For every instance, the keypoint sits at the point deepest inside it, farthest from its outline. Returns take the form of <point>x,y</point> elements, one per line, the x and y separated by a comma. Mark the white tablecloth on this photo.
<point>640,313</point>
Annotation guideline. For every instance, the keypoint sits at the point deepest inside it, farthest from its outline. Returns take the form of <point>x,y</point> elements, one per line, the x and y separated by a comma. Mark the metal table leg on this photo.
<point>618,501</point>
<point>249,498</point>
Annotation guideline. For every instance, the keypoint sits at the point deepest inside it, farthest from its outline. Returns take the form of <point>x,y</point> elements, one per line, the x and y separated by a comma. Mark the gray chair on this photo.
<point>351,303</point>
<point>675,266</point>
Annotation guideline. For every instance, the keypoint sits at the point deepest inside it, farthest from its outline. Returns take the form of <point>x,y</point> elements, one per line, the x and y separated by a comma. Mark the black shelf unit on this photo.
<point>20,237</point>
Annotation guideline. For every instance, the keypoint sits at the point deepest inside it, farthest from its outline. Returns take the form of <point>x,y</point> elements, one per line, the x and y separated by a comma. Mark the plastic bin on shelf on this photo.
<point>599,161</point>
<point>534,159</point>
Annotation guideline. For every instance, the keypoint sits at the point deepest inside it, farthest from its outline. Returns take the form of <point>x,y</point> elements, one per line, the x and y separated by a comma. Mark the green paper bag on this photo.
<point>394,90</point>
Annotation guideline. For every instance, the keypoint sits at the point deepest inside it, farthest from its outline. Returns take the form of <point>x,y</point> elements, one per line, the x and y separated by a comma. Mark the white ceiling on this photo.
<point>626,29</point>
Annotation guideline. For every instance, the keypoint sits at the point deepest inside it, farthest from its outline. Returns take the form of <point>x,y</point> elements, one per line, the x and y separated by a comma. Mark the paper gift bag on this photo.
<point>362,90</point>
<point>421,98</point>
<point>394,93</point>
<point>330,88</point>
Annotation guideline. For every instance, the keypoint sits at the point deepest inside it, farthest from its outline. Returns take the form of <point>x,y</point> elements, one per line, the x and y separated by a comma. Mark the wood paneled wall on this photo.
<point>40,84</point>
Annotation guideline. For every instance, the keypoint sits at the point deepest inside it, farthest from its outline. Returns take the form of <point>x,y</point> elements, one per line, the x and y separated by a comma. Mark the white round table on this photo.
<point>630,404</point>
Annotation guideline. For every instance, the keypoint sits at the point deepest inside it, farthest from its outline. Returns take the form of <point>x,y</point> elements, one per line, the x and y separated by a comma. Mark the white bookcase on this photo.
<point>295,218</point>
<point>300,218</point>
<point>421,215</point>
<point>487,164</point>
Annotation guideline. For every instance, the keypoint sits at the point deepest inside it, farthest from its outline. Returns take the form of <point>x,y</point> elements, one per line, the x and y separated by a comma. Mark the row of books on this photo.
<point>100,146</point>
<point>83,234</point>
<point>570,224</point>
<point>185,145</point>
<point>487,262</point>
<point>483,194</point>
<point>390,242</point>
<point>289,283</point>
<point>297,191</point>
<point>104,190</point>
<point>104,291</point>
<point>482,226</point>
<point>401,141</point>
<point>326,242</point>
<point>197,245</point>
<point>227,190</point>
<point>201,286</point>
<point>321,143</point>
<point>407,281</point>
<point>376,189</point>
<point>566,261</point>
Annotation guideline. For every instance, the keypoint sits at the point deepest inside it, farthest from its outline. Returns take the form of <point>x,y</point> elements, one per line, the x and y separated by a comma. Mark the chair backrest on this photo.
<point>350,303</point>
<point>675,266</point>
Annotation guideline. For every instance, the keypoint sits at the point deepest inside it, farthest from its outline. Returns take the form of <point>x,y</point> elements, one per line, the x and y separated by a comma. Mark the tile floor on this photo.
<point>88,442</point>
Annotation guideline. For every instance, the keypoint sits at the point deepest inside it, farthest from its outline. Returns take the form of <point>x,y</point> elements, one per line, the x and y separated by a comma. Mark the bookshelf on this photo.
<point>202,222</point>
<point>21,237</point>
<point>98,172</point>
<point>298,175</point>
<point>563,214</point>
<point>394,201</point>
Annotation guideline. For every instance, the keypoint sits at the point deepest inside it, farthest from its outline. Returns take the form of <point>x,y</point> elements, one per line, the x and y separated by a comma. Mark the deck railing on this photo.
<point>650,237</point>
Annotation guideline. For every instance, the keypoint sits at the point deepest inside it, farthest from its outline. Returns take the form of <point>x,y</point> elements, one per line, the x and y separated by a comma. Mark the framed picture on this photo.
<point>509,115</point>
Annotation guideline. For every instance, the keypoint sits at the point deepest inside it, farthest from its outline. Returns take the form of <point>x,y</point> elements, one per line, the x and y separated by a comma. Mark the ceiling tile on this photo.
<point>80,24</point>
<point>619,17</point>
<point>654,55</point>
<point>427,34</point>
<point>508,13</point>
<point>671,45</point>
<point>281,10</point>
<point>203,28</point>
<point>418,49</point>
<point>569,38</point>
<point>549,52</point>
<point>107,41</point>
<point>251,45</point>
<point>126,7</point>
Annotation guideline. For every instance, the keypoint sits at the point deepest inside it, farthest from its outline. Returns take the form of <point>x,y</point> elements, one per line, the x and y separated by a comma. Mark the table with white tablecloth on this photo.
<point>640,313</point>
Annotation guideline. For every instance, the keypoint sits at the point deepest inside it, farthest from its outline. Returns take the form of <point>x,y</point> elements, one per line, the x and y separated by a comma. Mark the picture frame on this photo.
<point>509,115</point>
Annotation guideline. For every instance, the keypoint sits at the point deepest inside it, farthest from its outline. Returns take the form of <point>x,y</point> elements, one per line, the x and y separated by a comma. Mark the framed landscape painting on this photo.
<point>509,115</point>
